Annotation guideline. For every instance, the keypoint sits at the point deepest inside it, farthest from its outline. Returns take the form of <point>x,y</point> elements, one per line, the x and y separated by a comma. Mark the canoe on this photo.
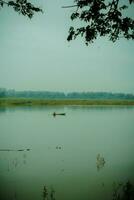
<point>54,114</point>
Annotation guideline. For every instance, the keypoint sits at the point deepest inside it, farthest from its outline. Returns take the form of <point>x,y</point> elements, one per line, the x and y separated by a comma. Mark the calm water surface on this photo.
<point>86,155</point>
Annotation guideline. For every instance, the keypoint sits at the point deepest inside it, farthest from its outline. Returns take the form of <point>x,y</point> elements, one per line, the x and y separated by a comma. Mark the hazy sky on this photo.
<point>34,54</point>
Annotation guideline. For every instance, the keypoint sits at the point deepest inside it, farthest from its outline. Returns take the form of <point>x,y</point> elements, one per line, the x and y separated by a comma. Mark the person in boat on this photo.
<point>54,114</point>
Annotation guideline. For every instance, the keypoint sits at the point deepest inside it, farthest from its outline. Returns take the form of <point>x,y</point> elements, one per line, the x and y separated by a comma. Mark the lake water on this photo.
<point>86,155</point>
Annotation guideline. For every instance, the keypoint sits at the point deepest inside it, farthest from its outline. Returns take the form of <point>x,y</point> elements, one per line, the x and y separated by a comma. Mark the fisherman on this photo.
<point>54,114</point>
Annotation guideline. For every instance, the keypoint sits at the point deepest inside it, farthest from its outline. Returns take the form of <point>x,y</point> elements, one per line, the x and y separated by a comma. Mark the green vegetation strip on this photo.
<point>54,102</point>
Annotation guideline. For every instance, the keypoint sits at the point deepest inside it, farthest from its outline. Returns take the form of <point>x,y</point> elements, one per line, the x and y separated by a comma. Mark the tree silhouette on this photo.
<point>22,7</point>
<point>101,18</point>
<point>98,18</point>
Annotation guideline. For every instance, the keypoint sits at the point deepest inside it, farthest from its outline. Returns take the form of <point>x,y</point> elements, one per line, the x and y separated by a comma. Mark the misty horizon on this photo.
<point>66,92</point>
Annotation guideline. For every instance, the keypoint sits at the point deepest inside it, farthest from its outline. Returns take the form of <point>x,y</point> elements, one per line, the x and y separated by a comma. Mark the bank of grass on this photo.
<point>57,102</point>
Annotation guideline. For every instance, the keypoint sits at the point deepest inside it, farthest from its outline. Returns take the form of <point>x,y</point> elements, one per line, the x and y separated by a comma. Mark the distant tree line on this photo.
<point>61,95</point>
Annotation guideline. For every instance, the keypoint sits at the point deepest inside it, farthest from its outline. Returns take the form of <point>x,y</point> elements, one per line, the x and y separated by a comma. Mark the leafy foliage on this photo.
<point>101,18</point>
<point>22,7</point>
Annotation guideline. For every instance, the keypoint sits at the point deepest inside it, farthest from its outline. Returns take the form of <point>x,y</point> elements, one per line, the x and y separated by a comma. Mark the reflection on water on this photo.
<point>32,108</point>
<point>58,147</point>
<point>61,108</point>
<point>12,161</point>
<point>2,109</point>
<point>67,153</point>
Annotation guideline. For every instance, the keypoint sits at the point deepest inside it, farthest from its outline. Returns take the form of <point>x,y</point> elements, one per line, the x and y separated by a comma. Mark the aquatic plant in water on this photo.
<point>123,191</point>
<point>100,162</point>
<point>48,195</point>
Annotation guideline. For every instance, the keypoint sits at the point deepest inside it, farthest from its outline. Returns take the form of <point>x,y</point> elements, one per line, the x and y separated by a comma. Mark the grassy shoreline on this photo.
<point>5,102</point>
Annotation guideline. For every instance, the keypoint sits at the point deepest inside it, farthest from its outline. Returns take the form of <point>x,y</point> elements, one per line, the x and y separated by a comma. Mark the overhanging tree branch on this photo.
<point>101,18</point>
<point>22,7</point>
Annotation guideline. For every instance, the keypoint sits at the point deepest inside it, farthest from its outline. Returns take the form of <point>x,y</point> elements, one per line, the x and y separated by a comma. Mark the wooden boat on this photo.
<point>54,114</point>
